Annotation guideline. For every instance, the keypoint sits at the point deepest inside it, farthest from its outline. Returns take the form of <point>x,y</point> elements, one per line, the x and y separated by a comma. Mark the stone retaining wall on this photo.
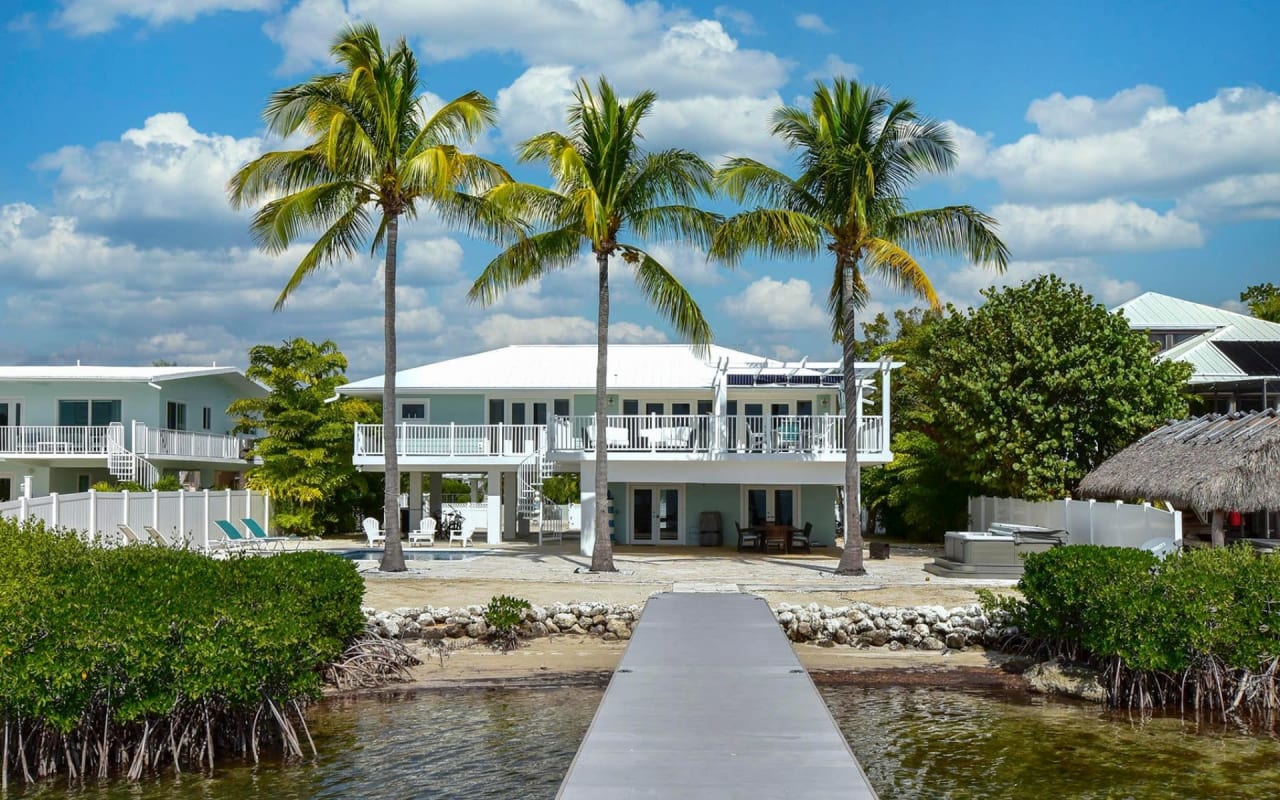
<point>858,625</point>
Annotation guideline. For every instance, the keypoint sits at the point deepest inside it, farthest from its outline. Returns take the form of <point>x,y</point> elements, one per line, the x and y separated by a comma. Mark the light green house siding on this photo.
<point>40,399</point>
<point>721,497</point>
<point>461,409</point>
<point>584,405</point>
<point>818,505</point>
<point>212,392</point>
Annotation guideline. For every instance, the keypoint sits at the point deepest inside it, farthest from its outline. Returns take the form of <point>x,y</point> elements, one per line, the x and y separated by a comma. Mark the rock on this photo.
<point>564,621</point>
<point>956,640</point>
<point>477,630</point>
<point>921,629</point>
<point>896,645</point>
<point>610,637</point>
<point>1068,680</point>
<point>877,638</point>
<point>932,643</point>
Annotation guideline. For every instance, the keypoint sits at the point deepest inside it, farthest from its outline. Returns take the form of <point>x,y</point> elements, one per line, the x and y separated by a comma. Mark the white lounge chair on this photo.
<point>426,532</point>
<point>128,535</point>
<point>373,533</point>
<point>463,534</point>
<point>157,537</point>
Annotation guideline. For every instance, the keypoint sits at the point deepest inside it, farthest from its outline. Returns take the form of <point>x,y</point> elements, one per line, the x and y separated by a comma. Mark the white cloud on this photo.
<point>833,66</point>
<point>716,126</point>
<point>1059,117</point>
<point>535,101</point>
<point>963,286</point>
<point>1107,226</point>
<point>776,305</point>
<point>741,19</point>
<point>157,174</point>
<point>499,330</point>
<point>85,17</point>
<point>813,22</point>
<point>1237,197</point>
<point>430,261</point>
<point>1164,152</point>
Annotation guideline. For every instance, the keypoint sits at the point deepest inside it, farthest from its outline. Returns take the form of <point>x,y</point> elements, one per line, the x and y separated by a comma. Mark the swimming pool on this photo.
<point>374,554</point>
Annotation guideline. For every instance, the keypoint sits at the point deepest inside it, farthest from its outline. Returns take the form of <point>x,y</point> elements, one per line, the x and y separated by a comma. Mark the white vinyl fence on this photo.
<point>1088,521</point>
<point>186,517</point>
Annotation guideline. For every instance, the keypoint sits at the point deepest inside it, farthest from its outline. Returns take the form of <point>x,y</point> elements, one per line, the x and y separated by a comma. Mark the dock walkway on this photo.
<point>710,701</point>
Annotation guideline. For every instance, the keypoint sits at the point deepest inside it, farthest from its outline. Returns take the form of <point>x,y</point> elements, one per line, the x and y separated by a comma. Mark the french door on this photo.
<point>10,417</point>
<point>771,504</point>
<point>656,514</point>
<point>8,488</point>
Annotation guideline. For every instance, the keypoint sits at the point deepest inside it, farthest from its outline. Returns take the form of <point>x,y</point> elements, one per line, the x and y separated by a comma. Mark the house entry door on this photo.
<point>655,515</point>
<point>7,490</point>
<point>10,417</point>
<point>777,505</point>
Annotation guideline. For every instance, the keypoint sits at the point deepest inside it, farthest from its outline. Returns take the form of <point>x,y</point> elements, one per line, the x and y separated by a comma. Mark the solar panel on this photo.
<point>1253,358</point>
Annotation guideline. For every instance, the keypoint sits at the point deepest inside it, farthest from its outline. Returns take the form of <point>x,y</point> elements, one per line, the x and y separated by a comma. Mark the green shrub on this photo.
<point>91,636</point>
<point>1209,605</point>
<point>503,616</point>
<point>167,483</point>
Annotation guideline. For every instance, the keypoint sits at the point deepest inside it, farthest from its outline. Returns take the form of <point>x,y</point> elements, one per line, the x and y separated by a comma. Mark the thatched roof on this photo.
<point>1218,461</point>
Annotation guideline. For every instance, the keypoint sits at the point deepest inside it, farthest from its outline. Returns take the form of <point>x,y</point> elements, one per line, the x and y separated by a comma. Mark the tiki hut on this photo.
<point>1208,464</point>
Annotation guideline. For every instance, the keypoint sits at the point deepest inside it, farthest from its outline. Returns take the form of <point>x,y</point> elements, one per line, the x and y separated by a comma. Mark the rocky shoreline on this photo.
<point>860,625</point>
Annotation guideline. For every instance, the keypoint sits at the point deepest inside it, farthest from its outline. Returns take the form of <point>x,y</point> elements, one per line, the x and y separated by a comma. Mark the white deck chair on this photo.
<point>373,533</point>
<point>464,534</point>
<point>426,532</point>
<point>127,534</point>
<point>157,536</point>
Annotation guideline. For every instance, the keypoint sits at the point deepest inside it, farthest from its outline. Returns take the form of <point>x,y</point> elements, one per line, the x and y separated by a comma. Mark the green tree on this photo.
<point>1039,385</point>
<point>606,188</point>
<point>1263,300</point>
<point>306,444</point>
<point>859,153</point>
<point>376,154</point>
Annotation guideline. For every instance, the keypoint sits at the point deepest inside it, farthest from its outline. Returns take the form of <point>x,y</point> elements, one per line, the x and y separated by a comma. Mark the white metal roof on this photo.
<point>89,373</point>
<point>1161,312</point>
<point>573,366</point>
<point>1156,312</point>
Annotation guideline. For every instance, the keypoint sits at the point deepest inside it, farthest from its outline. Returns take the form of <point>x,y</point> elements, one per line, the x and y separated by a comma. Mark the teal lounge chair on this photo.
<point>259,535</point>
<point>234,539</point>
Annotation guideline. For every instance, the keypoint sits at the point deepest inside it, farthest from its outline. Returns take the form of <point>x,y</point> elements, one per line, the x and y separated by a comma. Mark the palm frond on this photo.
<point>748,181</point>
<point>340,241</point>
<point>669,298</point>
<point>279,223</point>
<point>952,230</point>
<point>676,222</point>
<point>774,233</point>
<point>896,267</point>
<point>526,260</point>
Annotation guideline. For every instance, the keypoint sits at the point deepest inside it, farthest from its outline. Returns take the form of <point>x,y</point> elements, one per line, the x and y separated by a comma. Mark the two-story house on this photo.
<point>720,430</point>
<point>64,428</point>
<point>1236,357</point>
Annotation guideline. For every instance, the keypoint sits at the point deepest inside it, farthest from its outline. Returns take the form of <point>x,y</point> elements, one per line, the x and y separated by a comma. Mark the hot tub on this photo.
<point>992,554</point>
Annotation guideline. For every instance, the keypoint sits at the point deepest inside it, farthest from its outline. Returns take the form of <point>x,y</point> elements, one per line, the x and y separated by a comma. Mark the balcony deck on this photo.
<point>660,437</point>
<point>51,443</point>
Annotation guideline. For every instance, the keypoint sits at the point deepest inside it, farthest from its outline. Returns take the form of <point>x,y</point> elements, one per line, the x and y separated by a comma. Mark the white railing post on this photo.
<point>182,518</point>
<point>230,517</point>
<point>53,510</point>
<point>124,516</point>
<point>204,530</point>
<point>22,507</point>
<point>93,516</point>
<point>266,511</point>
<point>453,436</point>
<point>155,509</point>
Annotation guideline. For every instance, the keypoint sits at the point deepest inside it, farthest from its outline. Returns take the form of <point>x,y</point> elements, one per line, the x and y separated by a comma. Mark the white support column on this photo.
<point>493,501</point>
<point>229,517</point>
<point>204,529</point>
<point>155,509</point>
<point>885,372</point>
<point>510,489</point>
<point>435,485</point>
<point>182,520</point>
<point>415,500</point>
<point>93,517</point>
<point>26,486</point>
<point>124,513</point>
<point>587,480</point>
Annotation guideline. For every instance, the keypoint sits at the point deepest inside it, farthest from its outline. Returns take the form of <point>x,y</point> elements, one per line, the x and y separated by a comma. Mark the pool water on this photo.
<point>375,554</point>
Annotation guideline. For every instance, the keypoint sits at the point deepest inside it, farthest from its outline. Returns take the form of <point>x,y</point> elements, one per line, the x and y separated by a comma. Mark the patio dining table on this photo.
<point>775,533</point>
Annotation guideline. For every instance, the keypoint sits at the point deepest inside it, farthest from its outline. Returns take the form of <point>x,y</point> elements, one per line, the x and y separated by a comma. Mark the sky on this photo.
<point>1127,147</point>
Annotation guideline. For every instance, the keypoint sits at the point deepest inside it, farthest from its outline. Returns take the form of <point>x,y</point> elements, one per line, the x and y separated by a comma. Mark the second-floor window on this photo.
<point>413,412</point>
<point>88,412</point>
<point>175,417</point>
<point>206,418</point>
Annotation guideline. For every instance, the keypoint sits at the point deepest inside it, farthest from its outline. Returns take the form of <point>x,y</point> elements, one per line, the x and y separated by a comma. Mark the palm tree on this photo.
<point>606,186</point>
<point>374,155</point>
<point>859,152</point>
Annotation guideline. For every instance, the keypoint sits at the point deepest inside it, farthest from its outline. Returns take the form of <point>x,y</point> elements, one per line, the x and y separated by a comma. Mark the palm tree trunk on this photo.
<point>851,558</point>
<point>602,550</point>
<point>392,554</point>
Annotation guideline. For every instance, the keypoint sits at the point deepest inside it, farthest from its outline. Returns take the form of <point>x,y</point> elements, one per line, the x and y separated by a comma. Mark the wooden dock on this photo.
<point>710,701</point>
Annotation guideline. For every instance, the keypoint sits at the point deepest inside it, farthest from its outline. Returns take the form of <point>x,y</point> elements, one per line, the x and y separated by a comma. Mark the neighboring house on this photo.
<point>723,431</point>
<point>1236,357</point>
<point>64,428</point>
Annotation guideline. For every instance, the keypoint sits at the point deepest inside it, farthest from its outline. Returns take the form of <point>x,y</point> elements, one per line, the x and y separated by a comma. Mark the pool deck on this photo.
<point>723,710</point>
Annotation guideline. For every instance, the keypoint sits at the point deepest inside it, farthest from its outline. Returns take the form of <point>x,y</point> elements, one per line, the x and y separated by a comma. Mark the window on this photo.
<point>88,412</point>
<point>804,408</point>
<point>206,418</point>
<point>653,408</point>
<point>561,408</point>
<point>413,411</point>
<point>539,413</point>
<point>679,409</point>
<point>517,413</point>
<point>10,413</point>
<point>497,411</point>
<point>704,406</point>
<point>631,407</point>
<point>176,416</point>
<point>82,482</point>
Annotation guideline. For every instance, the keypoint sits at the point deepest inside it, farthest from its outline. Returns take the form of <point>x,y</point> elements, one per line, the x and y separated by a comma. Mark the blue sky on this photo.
<point>1128,147</point>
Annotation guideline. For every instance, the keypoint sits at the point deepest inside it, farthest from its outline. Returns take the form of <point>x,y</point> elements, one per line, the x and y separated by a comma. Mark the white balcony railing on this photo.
<point>708,434</point>
<point>415,439</point>
<point>54,439</point>
<point>166,442</point>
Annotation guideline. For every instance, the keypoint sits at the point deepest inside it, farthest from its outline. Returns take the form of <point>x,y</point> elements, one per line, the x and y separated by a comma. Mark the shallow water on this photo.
<point>913,743</point>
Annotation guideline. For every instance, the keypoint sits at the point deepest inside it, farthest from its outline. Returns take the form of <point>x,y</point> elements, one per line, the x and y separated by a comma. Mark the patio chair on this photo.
<point>426,532</point>
<point>262,537</point>
<point>463,534</point>
<point>749,538</point>
<point>373,533</point>
<point>128,535</point>
<point>234,540</point>
<point>157,537</point>
<point>800,538</point>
